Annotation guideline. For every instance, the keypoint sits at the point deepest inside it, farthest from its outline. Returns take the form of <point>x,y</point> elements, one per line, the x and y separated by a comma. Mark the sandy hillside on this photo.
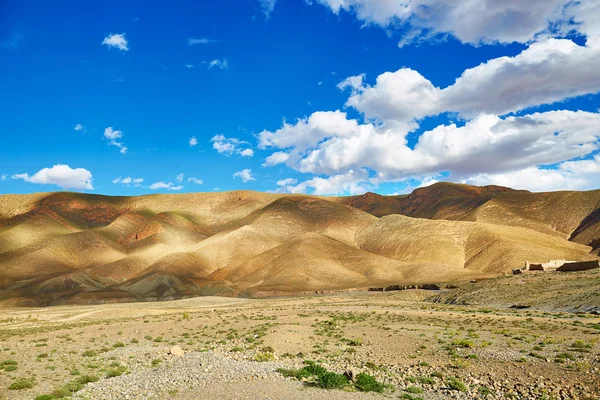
<point>58,248</point>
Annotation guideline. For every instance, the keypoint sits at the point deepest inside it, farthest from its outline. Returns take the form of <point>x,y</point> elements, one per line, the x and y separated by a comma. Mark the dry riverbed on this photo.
<point>391,345</point>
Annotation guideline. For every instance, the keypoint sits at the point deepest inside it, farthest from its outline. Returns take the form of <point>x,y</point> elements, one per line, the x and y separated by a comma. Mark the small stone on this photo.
<point>176,351</point>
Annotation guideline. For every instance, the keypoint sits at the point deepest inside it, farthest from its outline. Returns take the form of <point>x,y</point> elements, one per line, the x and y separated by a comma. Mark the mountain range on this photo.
<point>58,248</point>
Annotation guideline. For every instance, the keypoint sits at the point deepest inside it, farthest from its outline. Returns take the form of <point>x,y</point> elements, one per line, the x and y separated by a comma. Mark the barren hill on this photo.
<point>81,248</point>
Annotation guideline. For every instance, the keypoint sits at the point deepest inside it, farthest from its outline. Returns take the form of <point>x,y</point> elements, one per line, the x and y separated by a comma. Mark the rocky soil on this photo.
<point>235,349</point>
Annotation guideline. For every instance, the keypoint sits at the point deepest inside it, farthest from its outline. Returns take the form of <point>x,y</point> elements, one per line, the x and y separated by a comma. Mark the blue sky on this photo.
<point>135,97</point>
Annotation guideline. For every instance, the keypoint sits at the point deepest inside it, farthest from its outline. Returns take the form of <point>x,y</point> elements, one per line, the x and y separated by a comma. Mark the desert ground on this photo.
<point>493,339</point>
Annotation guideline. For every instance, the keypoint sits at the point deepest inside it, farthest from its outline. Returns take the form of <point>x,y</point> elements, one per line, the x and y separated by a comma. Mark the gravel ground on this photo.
<point>193,370</point>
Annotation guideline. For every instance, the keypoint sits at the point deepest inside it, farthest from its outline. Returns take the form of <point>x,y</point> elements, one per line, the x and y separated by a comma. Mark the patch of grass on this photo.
<point>455,384</point>
<point>85,379</point>
<point>331,380</point>
<point>463,343</point>
<point>367,383</point>
<point>264,357</point>
<point>414,390</point>
<point>117,371</point>
<point>118,344</point>
<point>427,380</point>
<point>408,396</point>
<point>22,384</point>
<point>156,362</point>
<point>8,365</point>
<point>89,353</point>
<point>237,349</point>
<point>45,397</point>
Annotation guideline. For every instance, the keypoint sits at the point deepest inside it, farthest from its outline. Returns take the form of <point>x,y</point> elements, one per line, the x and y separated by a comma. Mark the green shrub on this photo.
<point>367,383</point>
<point>45,397</point>
<point>455,384</point>
<point>118,344</point>
<point>463,343</point>
<point>414,390</point>
<point>426,380</point>
<point>114,372</point>
<point>331,380</point>
<point>21,384</point>
<point>313,369</point>
<point>89,353</point>
<point>85,379</point>
<point>264,357</point>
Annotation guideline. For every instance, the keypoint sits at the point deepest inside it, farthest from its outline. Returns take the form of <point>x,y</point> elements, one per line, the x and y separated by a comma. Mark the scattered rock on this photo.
<point>176,351</point>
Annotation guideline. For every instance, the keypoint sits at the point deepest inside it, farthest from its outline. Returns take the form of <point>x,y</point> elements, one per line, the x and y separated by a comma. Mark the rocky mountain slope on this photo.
<point>81,248</point>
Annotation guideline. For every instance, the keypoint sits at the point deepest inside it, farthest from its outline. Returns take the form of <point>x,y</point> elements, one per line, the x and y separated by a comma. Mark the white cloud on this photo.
<point>222,64</point>
<point>165,185</point>
<point>287,181</point>
<point>229,146</point>
<point>546,72</point>
<point>245,175</point>
<point>116,40</point>
<point>193,141</point>
<point>128,181</point>
<point>351,182</point>
<point>179,178</point>
<point>60,175</point>
<point>353,82</point>
<point>474,22</point>
<point>188,66</point>
<point>486,144</point>
<point>112,135</point>
<point>276,158</point>
<point>80,128</point>
<point>267,7</point>
<point>3,177</point>
<point>571,175</point>
<point>193,41</point>
<point>193,179</point>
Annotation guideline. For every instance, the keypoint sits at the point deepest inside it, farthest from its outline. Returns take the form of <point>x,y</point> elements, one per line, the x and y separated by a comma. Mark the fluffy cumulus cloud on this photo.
<point>3,177</point>
<point>351,182</point>
<point>62,176</point>
<point>546,72</point>
<point>229,146</point>
<point>80,128</point>
<point>245,175</point>
<point>276,158</point>
<point>575,175</point>
<point>474,22</point>
<point>116,40</point>
<point>129,181</point>
<point>488,144</point>
<point>165,185</point>
<point>193,141</point>
<point>113,137</point>
<point>485,144</point>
